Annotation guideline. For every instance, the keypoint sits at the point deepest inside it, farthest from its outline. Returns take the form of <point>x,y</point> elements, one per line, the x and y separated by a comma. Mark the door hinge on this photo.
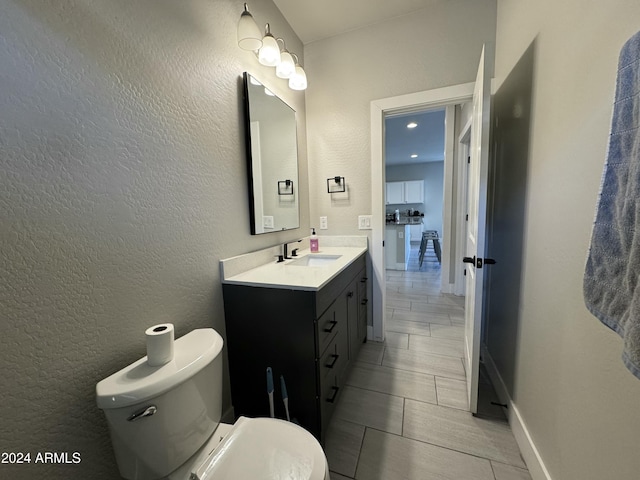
<point>469,159</point>
<point>466,217</point>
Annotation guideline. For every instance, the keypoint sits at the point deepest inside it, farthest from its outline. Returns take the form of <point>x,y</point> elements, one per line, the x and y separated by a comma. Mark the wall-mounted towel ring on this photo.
<point>285,187</point>
<point>338,184</point>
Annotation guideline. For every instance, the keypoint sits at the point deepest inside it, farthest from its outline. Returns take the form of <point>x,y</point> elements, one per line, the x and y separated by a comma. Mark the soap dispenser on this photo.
<point>313,241</point>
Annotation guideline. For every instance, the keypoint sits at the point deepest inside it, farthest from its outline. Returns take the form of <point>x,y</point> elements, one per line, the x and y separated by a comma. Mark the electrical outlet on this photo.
<point>323,223</point>
<point>267,221</point>
<point>364,222</point>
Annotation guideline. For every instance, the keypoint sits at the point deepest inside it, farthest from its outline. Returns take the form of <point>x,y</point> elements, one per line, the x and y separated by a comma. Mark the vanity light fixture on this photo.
<point>287,66</point>
<point>339,181</point>
<point>412,125</point>
<point>268,51</point>
<point>298,81</point>
<point>249,35</point>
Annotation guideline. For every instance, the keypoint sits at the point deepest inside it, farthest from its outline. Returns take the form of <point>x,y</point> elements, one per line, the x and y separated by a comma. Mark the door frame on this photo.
<point>436,98</point>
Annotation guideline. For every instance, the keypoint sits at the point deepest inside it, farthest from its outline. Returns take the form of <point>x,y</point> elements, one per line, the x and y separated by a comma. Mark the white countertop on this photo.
<point>298,277</point>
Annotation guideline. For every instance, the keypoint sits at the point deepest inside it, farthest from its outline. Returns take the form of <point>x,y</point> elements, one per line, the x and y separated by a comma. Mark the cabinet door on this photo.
<point>395,192</point>
<point>352,315</point>
<point>414,191</point>
<point>362,307</point>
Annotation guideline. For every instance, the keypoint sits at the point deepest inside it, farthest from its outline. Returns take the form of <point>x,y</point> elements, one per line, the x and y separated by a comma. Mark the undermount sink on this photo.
<point>313,260</point>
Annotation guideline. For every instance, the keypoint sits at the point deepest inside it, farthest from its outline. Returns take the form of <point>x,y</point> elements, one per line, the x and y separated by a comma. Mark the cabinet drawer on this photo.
<point>332,388</point>
<point>327,294</point>
<point>327,328</point>
<point>334,358</point>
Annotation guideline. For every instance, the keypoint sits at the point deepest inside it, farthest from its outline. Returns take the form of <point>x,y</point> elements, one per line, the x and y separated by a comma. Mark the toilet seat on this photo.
<point>265,448</point>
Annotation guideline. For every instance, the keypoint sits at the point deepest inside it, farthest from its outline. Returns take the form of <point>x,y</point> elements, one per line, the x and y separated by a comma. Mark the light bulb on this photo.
<point>298,81</point>
<point>269,53</point>
<point>286,67</point>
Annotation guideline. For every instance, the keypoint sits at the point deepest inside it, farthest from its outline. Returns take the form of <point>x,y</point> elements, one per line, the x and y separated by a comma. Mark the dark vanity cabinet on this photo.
<point>308,337</point>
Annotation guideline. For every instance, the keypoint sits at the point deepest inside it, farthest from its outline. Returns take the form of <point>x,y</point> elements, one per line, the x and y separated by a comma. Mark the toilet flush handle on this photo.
<point>145,412</point>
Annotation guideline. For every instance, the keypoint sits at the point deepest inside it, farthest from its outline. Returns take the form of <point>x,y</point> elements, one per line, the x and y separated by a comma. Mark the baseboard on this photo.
<point>447,288</point>
<point>370,333</point>
<point>530,453</point>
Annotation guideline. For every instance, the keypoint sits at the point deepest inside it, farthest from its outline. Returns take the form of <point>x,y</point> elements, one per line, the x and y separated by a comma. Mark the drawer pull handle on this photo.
<point>350,294</point>
<point>335,394</point>
<point>333,363</point>
<point>333,325</point>
<point>364,301</point>
<point>364,280</point>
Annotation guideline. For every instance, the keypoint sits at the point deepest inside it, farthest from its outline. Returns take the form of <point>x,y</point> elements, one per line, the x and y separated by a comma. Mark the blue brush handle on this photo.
<point>269,380</point>
<point>283,387</point>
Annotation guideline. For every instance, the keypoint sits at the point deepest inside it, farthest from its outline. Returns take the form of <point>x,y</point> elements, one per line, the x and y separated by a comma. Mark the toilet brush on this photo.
<point>270,390</point>
<point>285,397</point>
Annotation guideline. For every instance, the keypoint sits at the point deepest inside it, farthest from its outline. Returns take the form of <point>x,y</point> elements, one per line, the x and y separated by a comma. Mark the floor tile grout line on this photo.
<point>427,353</point>
<point>404,402</point>
<point>443,447</point>
<point>492,470</point>
<point>391,395</point>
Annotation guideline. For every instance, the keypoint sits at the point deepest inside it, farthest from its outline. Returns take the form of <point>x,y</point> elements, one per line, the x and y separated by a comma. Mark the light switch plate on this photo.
<point>323,223</point>
<point>364,222</point>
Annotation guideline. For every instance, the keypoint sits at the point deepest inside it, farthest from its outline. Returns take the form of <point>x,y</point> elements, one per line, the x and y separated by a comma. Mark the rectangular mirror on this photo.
<point>272,159</point>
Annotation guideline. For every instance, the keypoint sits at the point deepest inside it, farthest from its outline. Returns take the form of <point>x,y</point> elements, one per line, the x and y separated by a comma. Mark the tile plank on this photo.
<point>342,446</point>
<point>461,431</point>
<point>400,383</point>
<point>386,457</point>
<point>371,409</point>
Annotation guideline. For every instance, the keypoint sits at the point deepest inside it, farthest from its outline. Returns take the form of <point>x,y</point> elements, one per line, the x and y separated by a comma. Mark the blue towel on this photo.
<point>612,274</point>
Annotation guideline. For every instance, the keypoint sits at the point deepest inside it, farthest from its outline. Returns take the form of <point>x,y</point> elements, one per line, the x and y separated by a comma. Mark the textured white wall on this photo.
<point>435,47</point>
<point>123,183</point>
<point>579,402</point>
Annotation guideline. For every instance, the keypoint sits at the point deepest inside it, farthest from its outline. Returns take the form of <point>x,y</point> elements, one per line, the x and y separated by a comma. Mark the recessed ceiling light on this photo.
<point>415,155</point>
<point>412,125</point>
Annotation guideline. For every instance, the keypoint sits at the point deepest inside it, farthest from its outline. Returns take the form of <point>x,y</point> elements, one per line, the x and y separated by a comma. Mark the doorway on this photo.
<point>445,98</point>
<point>414,146</point>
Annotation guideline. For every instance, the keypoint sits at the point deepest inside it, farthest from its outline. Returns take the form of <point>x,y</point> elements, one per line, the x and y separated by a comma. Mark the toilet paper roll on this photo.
<point>159,344</point>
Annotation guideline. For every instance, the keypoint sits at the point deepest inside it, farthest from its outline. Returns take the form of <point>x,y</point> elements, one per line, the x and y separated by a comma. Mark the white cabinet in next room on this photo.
<point>414,191</point>
<point>399,193</point>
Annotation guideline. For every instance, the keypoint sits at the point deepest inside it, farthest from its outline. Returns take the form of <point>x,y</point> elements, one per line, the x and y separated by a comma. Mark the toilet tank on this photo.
<point>159,417</point>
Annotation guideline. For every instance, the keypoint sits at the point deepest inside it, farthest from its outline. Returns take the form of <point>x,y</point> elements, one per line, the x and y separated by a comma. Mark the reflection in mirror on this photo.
<point>272,159</point>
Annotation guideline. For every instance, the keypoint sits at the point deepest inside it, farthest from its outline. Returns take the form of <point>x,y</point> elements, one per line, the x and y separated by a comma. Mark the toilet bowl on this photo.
<point>255,448</point>
<point>165,423</point>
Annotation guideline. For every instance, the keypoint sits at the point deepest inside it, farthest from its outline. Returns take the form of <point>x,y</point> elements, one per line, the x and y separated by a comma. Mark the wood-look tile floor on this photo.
<point>403,413</point>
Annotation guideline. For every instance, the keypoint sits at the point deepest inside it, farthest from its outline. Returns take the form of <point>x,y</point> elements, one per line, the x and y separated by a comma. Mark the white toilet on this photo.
<point>165,423</point>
